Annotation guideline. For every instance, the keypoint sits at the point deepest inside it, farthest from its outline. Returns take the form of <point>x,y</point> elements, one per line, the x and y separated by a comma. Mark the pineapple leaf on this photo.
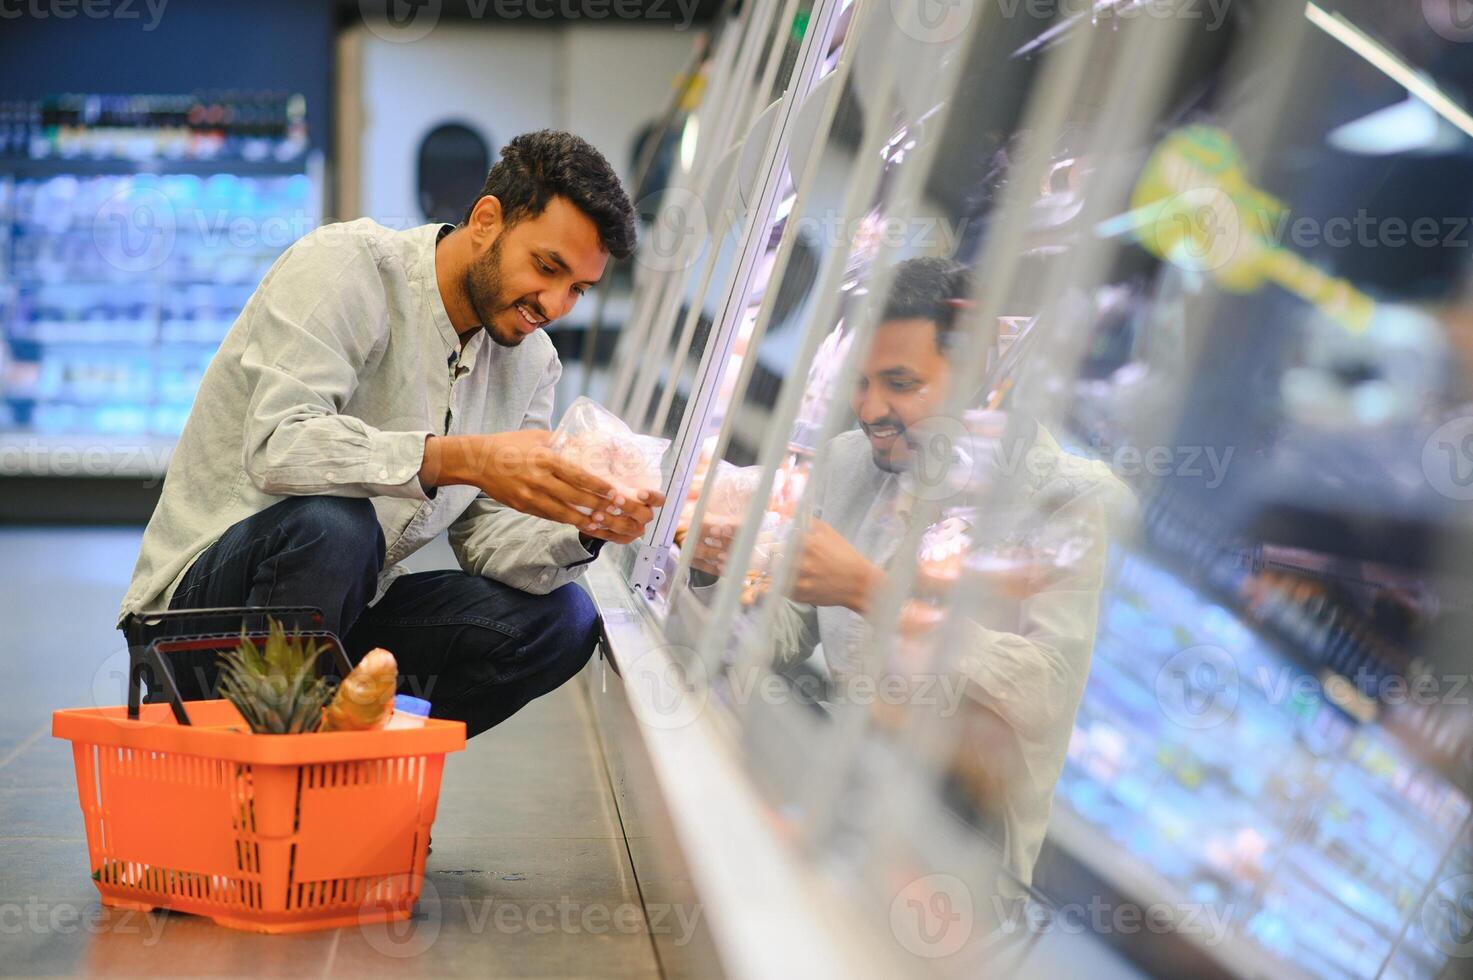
<point>276,690</point>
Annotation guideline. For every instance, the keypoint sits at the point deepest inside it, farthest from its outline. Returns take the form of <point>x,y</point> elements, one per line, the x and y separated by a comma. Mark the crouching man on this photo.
<point>381,387</point>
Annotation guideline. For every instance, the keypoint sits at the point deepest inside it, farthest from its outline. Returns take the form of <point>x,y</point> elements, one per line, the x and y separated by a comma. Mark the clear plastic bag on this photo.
<point>592,437</point>
<point>732,492</point>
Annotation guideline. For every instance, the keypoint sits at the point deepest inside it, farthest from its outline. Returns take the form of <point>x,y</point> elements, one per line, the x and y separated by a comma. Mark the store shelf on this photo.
<point>1364,535</point>
<point>101,347</point>
<point>1132,882</point>
<point>1277,794</point>
<point>88,167</point>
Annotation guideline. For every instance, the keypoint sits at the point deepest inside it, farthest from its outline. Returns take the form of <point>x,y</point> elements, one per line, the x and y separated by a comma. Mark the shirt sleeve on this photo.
<point>315,322</point>
<point>516,549</point>
<point>794,634</point>
<point>1034,675</point>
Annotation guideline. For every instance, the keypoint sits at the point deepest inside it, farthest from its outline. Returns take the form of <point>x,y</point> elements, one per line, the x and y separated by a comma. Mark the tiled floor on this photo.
<point>529,876</point>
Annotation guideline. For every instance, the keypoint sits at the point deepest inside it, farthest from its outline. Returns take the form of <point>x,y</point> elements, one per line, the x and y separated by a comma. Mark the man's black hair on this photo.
<point>536,167</point>
<point>929,289</point>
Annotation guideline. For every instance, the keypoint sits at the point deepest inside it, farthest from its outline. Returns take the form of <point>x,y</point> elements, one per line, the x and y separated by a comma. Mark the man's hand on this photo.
<point>519,470</point>
<point>832,572</point>
<point>711,547</point>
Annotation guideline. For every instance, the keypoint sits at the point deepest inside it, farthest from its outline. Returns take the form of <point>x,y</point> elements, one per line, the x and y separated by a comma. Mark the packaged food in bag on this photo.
<point>597,440</point>
<point>732,492</point>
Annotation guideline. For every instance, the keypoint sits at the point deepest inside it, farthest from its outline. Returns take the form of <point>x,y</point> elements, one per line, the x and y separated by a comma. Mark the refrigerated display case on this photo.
<point>135,229</point>
<point>1154,482</point>
<point>1318,832</point>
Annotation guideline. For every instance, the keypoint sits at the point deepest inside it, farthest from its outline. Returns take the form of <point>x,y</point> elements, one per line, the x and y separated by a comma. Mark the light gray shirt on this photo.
<point>340,366</point>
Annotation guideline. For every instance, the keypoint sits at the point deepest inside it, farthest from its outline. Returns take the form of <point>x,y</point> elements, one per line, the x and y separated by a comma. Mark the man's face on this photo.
<point>903,381</point>
<point>528,274</point>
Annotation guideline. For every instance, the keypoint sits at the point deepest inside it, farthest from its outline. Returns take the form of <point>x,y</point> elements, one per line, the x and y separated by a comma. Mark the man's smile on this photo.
<point>532,320</point>
<point>882,433</point>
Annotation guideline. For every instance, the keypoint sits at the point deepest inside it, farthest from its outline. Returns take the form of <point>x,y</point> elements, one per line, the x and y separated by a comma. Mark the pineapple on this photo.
<point>365,699</point>
<point>277,690</point>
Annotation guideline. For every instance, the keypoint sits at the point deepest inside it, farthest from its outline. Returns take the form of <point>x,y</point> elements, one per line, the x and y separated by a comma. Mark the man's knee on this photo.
<point>349,525</point>
<point>567,622</point>
<point>551,637</point>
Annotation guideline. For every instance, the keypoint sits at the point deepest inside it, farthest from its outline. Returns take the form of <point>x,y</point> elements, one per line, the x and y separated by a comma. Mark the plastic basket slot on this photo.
<point>89,793</point>
<point>161,883</point>
<point>247,856</point>
<point>143,795</point>
<point>242,789</point>
<point>352,825</point>
<point>385,892</point>
<point>350,893</point>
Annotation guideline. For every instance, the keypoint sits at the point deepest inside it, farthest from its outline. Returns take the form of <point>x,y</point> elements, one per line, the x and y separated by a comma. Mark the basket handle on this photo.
<point>152,636</point>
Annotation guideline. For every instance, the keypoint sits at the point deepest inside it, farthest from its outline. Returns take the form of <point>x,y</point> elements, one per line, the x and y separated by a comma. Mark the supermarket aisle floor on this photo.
<point>529,876</point>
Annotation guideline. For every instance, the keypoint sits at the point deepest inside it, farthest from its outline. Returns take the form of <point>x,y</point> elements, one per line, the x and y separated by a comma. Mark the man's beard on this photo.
<point>482,284</point>
<point>885,458</point>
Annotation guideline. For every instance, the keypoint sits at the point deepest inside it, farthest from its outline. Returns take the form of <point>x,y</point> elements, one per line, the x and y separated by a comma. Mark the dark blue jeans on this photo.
<point>476,649</point>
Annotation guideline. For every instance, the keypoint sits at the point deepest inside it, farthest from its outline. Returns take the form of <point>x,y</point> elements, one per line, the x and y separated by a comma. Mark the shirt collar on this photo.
<point>427,237</point>
<point>430,285</point>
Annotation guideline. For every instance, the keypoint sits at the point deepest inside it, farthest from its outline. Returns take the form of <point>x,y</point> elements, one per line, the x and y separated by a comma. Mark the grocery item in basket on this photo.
<point>365,698</point>
<point>276,689</point>
<point>409,712</point>
<point>595,439</point>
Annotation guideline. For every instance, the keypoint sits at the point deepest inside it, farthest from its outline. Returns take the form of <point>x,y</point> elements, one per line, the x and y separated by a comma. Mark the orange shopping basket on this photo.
<point>187,809</point>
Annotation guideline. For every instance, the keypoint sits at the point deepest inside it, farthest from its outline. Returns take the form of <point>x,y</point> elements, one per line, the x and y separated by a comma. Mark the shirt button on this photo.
<point>330,475</point>
<point>383,474</point>
<point>544,578</point>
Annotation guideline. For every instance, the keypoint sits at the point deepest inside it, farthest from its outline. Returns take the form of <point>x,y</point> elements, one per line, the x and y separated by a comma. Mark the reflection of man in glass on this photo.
<point>1029,639</point>
<point>903,384</point>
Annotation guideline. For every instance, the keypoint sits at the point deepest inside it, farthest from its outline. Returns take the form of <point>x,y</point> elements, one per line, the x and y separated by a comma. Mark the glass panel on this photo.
<point>1245,677</point>
<point>1178,531</point>
<point>801,261</point>
<point>699,228</point>
<point>803,238</point>
<point>732,218</point>
<point>1084,527</point>
<point>669,401</point>
<point>915,487</point>
<point>675,241</point>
